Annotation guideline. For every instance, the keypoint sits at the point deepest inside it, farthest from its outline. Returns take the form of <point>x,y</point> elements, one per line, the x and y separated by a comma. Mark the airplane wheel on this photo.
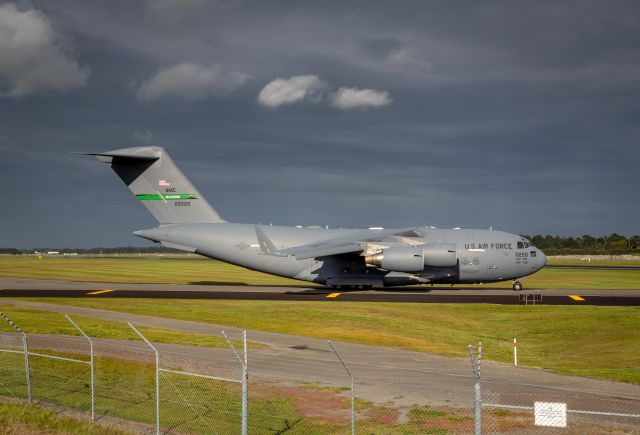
<point>517,286</point>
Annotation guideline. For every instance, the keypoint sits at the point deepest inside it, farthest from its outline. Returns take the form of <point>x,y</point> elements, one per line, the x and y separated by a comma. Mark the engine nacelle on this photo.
<point>440,254</point>
<point>399,259</point>
<point>414,258</point>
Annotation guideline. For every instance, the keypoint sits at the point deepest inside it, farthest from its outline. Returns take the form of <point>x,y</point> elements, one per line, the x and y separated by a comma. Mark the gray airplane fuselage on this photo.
<point>481,255</point>
<point>336,257</point>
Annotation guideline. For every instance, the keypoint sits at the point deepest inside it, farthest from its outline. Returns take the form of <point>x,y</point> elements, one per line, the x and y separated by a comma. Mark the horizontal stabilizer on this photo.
<point>141,154</point>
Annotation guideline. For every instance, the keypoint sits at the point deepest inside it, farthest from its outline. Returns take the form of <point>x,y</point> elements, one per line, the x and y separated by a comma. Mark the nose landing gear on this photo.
<point>517,286</point>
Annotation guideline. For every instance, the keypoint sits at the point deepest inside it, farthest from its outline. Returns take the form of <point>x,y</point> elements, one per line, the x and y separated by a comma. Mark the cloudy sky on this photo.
<point>524,116</point>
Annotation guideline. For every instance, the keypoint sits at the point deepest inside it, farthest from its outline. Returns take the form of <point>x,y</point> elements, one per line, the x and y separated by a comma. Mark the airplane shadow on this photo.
<point>244,284</point>
<point>317,289</point>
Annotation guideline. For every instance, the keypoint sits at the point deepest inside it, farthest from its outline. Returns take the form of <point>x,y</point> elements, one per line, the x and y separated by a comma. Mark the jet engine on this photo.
<point>440,254</point>
<point>414,258</point>
<point>399,259</point>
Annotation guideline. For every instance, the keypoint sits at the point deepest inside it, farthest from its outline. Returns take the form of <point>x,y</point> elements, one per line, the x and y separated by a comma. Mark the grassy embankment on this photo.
<point>197,270</point>
<point>46,322</point>
<point>585,340</point>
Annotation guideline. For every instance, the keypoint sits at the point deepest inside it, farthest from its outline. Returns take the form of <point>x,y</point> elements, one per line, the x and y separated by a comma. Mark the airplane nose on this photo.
<point>543,258</point>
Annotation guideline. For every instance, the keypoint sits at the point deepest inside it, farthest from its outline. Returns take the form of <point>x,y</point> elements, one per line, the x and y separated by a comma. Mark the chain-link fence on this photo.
<point>558,413</point>
<point>518,408</point>
<point>148,387</point>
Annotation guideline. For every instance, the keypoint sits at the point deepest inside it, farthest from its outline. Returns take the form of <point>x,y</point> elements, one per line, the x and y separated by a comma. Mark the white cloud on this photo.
<point>292,90</point>
<point>407,57</point>
<point>32,56</point>
<point>354,98</point>
<point>190,82</point>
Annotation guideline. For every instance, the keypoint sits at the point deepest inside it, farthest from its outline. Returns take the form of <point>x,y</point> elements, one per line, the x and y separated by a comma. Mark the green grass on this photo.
<point>608,262</point>
<point>46,322</point>
<point>126,390</point>
<point>197,270</point>
<point>586,340</point>
<point>29,419</point>
<point>580,279</point>
<point>192,270</point>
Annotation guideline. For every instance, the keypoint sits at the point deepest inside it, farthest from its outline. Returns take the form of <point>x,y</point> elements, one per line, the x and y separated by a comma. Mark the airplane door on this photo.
<point>492,270</point>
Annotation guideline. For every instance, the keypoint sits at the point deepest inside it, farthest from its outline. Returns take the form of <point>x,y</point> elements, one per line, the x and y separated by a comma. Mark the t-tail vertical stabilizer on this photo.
<point>155,180</point>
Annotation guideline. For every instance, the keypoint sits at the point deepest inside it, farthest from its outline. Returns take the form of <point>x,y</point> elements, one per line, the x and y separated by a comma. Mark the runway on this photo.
<point>11,287</point>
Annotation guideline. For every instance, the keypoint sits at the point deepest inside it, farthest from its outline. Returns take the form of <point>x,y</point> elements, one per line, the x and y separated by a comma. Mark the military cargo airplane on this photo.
<point>340,258</point>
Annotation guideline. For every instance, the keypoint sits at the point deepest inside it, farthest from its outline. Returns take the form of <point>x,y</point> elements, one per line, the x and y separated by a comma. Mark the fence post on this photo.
<point>245,380</point>
<point>475,366</point>
<point>157,376</point>
<point>93,396</point>
<point>245,385</point>
<point>353,394</point>
<point>25,346</point>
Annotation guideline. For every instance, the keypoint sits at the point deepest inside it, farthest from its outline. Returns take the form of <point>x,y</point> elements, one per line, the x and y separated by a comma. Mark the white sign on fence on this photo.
<point>551,414</point>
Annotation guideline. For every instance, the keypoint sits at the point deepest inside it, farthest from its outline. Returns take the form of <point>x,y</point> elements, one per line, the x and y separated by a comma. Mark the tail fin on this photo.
<point>155,180</point>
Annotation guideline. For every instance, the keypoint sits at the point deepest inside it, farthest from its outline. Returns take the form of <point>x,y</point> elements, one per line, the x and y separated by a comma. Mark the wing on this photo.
<point>353,243</point>
<point>322,249</point>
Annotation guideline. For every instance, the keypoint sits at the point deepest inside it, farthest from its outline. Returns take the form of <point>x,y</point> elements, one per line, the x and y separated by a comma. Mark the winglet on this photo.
<point>266,245</point>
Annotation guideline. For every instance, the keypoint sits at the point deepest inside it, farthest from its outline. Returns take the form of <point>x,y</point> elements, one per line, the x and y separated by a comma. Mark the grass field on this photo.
<point>170,270</point>
<point>585,340</point>
<point>559,261</point>
<point>46,322</point>
<point>28,419</point>
<point>197,270</point>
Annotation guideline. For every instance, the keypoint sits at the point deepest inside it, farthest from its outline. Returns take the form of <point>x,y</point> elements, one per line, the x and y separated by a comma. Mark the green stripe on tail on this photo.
<point>166,197</point>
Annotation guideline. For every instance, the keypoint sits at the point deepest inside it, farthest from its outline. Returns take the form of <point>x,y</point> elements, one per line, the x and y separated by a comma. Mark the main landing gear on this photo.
<point>517,286</point>
<point>351,287</point>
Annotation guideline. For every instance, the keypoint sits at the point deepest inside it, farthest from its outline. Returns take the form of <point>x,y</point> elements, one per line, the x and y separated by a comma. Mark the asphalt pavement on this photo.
<point>478,294</point>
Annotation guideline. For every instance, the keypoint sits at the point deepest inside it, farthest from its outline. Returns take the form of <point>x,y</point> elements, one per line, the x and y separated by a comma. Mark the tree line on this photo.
<point>159,249</point>
<point>614,244</point>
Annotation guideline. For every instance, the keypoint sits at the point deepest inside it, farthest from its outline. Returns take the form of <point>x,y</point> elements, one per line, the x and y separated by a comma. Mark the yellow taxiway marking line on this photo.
<point>333,295</point>
<point>576,298</point>
<point>99,292</point>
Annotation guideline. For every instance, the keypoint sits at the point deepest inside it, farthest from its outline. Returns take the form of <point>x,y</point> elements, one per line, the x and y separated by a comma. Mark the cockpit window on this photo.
<point>524,244</point>
<point>532,253</point>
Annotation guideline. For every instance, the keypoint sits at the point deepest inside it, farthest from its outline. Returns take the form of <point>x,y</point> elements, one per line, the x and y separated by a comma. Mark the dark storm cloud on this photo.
<point>380,48</point>
<point>520,116</point>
